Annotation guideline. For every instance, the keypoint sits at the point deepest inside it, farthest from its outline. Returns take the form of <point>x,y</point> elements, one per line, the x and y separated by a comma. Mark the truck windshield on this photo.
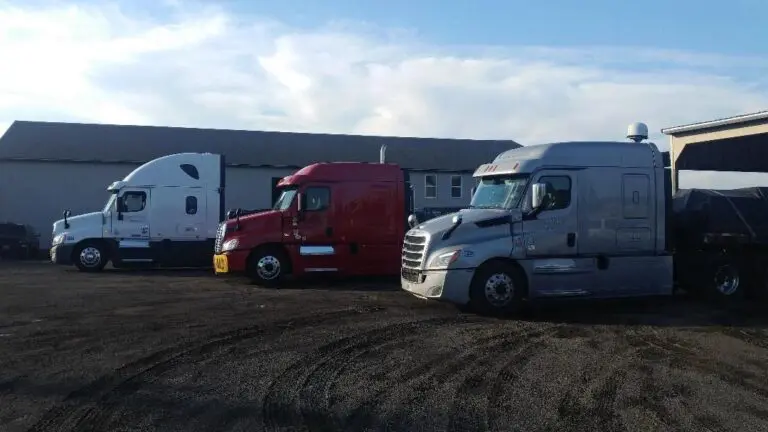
<point>285,199</point>
<point>501,192</point>
<point>110,203</point>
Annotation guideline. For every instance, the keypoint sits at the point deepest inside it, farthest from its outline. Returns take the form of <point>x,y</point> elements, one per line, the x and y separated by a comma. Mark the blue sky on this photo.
<point>527,71</point>
<point>733,27</point>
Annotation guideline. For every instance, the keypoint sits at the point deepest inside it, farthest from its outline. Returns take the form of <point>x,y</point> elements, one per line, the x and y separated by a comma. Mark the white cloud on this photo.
<point>205,67</point>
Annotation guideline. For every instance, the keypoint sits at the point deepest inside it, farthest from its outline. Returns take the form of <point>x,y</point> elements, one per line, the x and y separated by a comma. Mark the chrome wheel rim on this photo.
<point>90,256</point>
<point>727,280</point>
<point>499,289</point>
<point>268,267</point>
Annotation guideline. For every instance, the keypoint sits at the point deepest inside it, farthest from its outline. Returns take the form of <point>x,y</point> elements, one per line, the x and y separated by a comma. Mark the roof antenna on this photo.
<point>637,132</point>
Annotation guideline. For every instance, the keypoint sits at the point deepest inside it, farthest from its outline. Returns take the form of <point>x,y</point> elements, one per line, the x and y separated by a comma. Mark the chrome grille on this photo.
<point>219,237</point>
<point>414,248</point>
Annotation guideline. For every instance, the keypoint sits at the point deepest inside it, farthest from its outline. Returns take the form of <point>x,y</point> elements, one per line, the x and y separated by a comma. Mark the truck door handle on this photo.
<point>571,239</point>
<point>329,232</point>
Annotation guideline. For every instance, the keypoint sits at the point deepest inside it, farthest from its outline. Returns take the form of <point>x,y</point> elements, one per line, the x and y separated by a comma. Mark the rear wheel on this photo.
<point>726,281</point>
<point>266,267</point>
<point>498,288</point>
<point>90,257</point>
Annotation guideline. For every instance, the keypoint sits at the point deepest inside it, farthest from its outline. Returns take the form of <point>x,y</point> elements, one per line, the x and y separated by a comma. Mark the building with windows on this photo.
<point>48,167</point>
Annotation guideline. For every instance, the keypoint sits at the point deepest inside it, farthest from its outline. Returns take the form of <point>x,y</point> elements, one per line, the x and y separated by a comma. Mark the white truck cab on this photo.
<point>164,213</point>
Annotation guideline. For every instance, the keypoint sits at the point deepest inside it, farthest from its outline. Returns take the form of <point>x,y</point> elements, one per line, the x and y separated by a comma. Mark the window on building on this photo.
<point>317,198</point>
<point>558,191</point>
<point>134,201</point>
<point>457,184</point>
<point>430,186</point>
<point>191,205</point>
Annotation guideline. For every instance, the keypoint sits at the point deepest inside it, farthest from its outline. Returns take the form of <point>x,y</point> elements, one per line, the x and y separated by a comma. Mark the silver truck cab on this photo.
<point>569,219</point>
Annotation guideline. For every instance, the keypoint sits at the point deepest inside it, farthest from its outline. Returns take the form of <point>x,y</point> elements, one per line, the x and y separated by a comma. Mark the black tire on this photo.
<point>90,257</point>
<point>725,282</point>
<point>267,267</point>
<point>498,288</point>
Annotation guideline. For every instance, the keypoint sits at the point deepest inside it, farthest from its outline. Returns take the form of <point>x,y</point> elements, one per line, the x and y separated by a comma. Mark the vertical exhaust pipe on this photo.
<point>383,154</point>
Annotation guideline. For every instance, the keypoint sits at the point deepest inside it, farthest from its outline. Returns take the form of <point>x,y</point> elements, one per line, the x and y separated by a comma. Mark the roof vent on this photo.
<point>637,132</point>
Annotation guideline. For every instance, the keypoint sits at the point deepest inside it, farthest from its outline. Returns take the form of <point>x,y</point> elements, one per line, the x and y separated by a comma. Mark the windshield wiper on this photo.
<point>483,207</point>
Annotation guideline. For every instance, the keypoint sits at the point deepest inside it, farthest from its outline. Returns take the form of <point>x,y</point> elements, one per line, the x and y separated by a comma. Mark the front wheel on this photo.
<point>267,267</point>
<point>498,288</point>
<point>90,257</point>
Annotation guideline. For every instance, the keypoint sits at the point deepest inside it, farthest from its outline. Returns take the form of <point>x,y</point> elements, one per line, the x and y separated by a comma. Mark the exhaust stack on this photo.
<point>383,154</point>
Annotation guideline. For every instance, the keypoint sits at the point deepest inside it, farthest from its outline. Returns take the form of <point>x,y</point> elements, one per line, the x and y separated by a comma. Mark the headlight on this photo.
<point>229,245</point>
<point>445,259</point>
<point>59,239</point>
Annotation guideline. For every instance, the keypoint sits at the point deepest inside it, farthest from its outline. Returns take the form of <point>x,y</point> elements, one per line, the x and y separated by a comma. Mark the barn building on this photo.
<point>733,144</point>
<point>48,167</point>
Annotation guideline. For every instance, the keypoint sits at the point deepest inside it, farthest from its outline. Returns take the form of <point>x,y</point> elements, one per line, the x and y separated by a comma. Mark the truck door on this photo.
<point>553,248</point>
<point>317,247</point>
<point>130,225</point>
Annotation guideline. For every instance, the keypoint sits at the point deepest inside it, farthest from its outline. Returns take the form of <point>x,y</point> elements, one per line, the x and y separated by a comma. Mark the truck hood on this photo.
<point>469,216</point>
<point>267,222</point>
<point>78,222</point>
<point>492,222</point>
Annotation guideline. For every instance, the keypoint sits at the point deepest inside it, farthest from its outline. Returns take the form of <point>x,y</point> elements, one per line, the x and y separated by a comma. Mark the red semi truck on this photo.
<point>348,218</point>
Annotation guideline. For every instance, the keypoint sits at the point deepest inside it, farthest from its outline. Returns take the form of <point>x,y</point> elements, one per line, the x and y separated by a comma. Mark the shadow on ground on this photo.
<point>677,311</point>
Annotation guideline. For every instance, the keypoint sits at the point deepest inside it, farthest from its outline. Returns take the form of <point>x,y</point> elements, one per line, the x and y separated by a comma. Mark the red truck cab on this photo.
<point>342,217</point>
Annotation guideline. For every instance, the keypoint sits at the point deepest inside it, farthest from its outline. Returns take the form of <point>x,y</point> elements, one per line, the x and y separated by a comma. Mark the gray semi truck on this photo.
<point>588,220</point>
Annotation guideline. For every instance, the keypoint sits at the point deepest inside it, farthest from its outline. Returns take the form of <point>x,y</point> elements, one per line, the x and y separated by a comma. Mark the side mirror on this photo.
<point>538,191</point>
<point>300,202</point>
<point>119,205</point>
<point>472,192</point>
<point>67,213</point>
<point>301,205</point>
<point>413,220</point>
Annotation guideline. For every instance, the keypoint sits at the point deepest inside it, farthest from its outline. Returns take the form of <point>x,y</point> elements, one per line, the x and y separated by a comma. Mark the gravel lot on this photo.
<point>181,350</point>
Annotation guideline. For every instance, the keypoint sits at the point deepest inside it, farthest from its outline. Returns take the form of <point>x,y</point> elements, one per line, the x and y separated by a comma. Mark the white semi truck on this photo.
<point>164,213</point>
<point>587,219</point>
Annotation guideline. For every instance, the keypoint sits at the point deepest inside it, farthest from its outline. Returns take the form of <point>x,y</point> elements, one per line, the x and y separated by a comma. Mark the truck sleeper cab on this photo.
<point>574,219</point>
<point>164,213</point>
<point>343,217</point>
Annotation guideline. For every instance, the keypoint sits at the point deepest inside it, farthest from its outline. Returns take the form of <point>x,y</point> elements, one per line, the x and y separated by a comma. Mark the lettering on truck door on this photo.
<point>556,266</point>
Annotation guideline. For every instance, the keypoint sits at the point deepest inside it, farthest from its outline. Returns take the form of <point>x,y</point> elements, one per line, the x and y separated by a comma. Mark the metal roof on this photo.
<point>724,122</point>
<point>78,142</point>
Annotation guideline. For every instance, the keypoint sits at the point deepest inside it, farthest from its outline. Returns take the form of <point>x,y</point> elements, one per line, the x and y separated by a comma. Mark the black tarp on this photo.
<point>12,231</point>
<point>739,215</point>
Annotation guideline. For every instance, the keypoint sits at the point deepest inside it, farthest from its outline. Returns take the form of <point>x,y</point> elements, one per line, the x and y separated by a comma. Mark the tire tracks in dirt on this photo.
<point>299,396</point>
<point>681,355</point>
<point>491,366</point>
<point>89,407</point>
<point>303,396</point>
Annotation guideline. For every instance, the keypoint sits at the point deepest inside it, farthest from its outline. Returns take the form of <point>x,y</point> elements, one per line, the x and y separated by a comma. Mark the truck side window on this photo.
<point>191,205</point>
<point>190,170</point>
<point>558,191</point>
<point>134,202</point>
<point>318,198</point>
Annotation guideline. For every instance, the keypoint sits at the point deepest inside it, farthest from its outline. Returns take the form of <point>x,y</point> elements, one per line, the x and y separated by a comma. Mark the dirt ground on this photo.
<point>184,351</point>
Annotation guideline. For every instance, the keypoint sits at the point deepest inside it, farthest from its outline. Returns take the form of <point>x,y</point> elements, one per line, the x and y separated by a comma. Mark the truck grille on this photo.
<point>414,247</point>
<point>219,237</point>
